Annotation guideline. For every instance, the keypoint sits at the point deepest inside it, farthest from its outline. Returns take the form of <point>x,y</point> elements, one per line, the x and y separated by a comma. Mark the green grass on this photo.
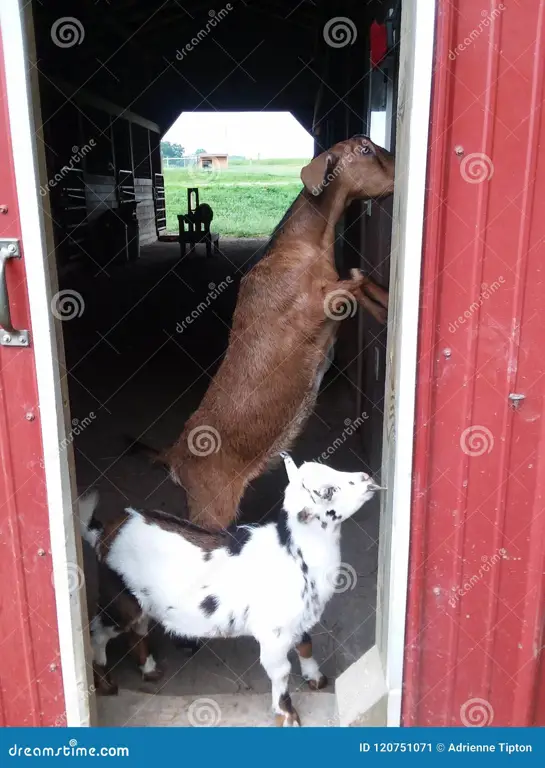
<point>248,199</point>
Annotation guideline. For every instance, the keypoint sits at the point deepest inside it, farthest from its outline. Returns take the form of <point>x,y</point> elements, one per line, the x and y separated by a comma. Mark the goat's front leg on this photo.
<point>378,294</point>
<point>371,296</point>
<point>309,666</point>
<point>342,297</point>
<point>274,658</point>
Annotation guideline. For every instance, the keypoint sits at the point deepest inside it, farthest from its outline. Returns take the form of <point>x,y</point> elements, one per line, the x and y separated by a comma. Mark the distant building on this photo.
<point>211,161</point>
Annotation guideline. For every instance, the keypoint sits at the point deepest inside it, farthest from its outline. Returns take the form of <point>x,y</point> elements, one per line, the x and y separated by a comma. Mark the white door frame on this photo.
<point>369,691</point>
<point>29,161</point>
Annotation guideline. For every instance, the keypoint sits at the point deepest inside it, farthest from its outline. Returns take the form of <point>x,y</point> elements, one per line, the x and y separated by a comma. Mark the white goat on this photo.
<point>270,581</point>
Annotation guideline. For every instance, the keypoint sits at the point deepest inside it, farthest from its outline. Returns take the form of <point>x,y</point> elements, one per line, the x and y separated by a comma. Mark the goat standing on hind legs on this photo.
<point>284,325</point>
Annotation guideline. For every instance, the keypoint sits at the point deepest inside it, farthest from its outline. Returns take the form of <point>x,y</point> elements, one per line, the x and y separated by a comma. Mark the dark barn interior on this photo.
<point>106,100</point>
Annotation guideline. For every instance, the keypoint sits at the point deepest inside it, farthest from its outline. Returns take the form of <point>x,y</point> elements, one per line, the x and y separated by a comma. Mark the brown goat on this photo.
<point>285,322</point>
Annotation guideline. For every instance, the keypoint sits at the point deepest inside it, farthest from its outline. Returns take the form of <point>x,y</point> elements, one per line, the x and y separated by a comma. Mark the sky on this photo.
<point>251,134</point>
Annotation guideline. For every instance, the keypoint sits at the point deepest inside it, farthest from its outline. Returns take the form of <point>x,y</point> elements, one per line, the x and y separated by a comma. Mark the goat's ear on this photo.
<point>291,467</point>
<point>313,174</point>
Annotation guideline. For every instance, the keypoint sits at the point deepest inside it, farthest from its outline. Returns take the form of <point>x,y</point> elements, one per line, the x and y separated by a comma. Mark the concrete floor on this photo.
<point>131,372</point>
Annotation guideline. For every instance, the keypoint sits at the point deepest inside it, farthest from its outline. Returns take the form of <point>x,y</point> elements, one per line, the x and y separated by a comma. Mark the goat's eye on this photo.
<point>327,492</point>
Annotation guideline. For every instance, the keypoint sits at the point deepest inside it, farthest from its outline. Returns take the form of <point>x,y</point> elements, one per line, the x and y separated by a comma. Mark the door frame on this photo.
<point>66,552</point>
<point>379,700</point>
<point>369,692</point>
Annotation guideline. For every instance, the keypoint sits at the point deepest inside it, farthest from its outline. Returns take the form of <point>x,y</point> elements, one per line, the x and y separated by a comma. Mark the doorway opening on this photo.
<point>130,370</point>
<point>245,165</point>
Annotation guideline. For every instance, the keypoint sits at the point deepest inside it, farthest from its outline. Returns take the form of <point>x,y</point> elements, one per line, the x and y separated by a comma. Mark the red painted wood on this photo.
<point>30,671</point>
<point>476,586</point>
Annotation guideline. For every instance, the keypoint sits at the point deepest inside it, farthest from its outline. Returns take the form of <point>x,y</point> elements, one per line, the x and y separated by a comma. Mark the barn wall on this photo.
<point>476,597</point>
<point>97,141</point>
<point>100,194</point>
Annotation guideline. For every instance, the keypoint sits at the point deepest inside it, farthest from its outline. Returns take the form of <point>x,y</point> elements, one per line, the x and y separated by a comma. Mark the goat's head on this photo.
<point>319,493</point>
<point>357,167</point>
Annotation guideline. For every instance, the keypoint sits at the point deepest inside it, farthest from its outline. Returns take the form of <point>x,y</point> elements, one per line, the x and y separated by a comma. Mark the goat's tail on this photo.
<point>87,505</point>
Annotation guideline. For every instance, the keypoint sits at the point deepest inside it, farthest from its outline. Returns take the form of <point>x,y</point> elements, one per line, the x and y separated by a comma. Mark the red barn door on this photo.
<point>30,671</point>
<point>43,671</point>
<point>476,596</point>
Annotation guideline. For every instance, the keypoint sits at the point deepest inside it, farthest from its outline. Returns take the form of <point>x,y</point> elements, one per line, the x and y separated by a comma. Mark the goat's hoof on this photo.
<point>153,677</point>
<point>287,720</point>
<point>317,685</point>
<point>105,687</point>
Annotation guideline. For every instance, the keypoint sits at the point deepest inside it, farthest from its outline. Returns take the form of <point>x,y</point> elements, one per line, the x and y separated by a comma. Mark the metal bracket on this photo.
<point>9,336</point>
<point>516,399</point>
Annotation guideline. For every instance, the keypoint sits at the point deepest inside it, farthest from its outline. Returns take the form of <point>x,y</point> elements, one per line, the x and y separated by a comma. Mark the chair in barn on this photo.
<point>198,230</point>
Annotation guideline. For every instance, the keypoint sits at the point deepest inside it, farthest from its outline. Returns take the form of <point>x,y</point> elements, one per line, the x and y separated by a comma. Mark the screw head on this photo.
<point>12,248</point>
<point>3,208</point>
<point>6,338</point>
<point>458,150</point>
<point>29,416</point>
<point>41,553</point>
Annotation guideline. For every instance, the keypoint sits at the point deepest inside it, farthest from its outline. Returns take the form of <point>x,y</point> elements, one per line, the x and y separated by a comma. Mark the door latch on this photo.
<point>9,336</point>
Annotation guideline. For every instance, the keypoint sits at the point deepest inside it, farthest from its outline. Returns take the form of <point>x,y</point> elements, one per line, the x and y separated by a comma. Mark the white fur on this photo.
<point>269,590</point>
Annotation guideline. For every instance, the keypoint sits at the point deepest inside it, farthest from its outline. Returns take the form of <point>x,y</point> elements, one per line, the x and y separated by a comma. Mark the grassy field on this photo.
<point>248,198</point>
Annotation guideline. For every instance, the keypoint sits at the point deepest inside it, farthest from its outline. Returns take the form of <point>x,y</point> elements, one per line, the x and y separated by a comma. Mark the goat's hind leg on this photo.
<point>101,634</point>
<point>274,658</point>
<point>309,666</point>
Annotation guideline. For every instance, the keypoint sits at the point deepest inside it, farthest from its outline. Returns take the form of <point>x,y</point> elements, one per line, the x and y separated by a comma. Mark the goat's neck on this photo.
<point>315,218</point>
<point>321,548</point>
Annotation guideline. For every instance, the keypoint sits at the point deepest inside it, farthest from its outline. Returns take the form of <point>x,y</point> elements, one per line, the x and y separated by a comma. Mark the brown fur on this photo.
<point>265,387</point>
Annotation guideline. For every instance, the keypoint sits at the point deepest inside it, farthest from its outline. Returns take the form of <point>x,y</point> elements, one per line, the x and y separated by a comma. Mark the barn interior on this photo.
<point>106,100</point>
